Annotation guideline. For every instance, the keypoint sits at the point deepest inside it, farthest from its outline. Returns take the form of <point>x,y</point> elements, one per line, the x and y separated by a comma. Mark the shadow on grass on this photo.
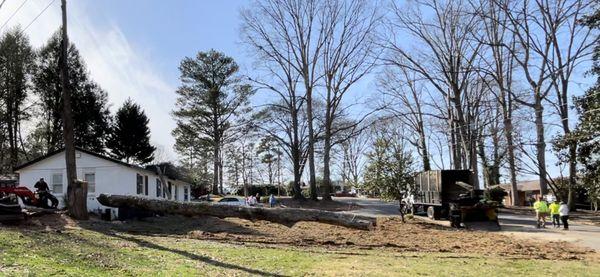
<point>170,225</point>
<point>173,225</point>
<point>195,257</point>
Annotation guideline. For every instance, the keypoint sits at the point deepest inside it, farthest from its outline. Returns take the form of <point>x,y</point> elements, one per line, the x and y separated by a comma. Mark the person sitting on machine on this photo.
<point>44,193</point>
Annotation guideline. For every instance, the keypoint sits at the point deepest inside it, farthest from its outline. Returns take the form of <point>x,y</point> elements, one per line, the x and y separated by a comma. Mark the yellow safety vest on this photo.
<point>554,208</point>
<point>540,206</point>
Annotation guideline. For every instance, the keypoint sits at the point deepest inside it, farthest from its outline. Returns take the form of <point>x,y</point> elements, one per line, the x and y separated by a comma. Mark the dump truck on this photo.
<point>450,194</point>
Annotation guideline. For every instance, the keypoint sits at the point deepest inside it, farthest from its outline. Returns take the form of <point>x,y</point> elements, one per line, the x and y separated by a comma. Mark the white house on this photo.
<point>103,174</point>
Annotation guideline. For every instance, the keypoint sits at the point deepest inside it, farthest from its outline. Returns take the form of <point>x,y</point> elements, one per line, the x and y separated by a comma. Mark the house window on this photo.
<point>169,190</point>
<point>140,184</point>
<point>146,184</point>
<point>90,178</point>
<point>57,183</point>
<point>185,194</point>
<point>158,188</point>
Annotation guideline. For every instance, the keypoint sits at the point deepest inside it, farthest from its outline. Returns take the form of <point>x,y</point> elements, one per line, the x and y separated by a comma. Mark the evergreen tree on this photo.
<point>587,132</point>
<point>89,102</point>
<point>16,64</point>
<point>129,138</point>
<point>389,170</point>
<point>269,153</point>
<point>211,99</point>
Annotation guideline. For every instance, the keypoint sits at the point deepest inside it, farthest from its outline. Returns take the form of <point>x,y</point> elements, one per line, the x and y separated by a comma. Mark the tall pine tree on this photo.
<point>89,102</point>
<point>16,64</point>
<point>211,99</point>
<point>129,139</point>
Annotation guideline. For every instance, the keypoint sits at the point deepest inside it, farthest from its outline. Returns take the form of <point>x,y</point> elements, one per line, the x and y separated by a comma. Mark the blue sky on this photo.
<point>133,48</point>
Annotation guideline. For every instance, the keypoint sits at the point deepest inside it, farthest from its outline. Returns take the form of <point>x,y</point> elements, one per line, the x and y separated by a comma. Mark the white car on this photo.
<point>232,201</point>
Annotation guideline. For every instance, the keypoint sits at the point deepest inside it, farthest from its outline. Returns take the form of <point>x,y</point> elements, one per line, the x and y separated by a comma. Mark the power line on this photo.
<point>13,14</point>
<point>49,4</point>
<point>2,4</point>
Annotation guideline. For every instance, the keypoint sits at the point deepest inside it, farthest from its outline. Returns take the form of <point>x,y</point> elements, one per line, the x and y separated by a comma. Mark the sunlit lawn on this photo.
<point>79,252</point>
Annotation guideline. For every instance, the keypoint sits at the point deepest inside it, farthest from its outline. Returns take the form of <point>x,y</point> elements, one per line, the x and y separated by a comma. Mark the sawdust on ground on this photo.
<point>391,234</point>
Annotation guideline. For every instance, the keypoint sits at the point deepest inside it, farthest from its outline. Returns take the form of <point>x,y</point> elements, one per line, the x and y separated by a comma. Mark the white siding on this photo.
<point>110,177</point>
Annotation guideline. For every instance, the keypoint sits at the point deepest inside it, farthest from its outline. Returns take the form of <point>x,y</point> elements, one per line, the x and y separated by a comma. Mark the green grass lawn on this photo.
<point>79,252</point>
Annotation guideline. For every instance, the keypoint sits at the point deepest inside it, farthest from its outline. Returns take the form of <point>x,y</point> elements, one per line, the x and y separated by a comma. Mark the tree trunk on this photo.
<point>76,198</point>
<point>286,216</point>
<point>296,153</point>
<point>508,130</point>
<point>278,173</point>
<point>326,186</point>
<point>572,175</point>
<point>540,143</point>
<point>424,151</point>
<point>215,184</point>
<point>311,147</point>
<point>221,172</point>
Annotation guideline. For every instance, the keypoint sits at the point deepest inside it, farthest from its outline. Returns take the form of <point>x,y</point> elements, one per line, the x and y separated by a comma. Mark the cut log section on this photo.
<point>285,216</point>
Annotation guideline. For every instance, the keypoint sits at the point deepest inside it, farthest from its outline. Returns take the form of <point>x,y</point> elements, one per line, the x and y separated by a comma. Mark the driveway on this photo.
<point>371,207</point>
<point>524,226</point>
<point>517,225</point>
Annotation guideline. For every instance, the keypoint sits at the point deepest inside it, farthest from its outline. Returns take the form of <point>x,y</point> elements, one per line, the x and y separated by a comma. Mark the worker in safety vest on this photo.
<point>541,211</point>
<point>555,214</point>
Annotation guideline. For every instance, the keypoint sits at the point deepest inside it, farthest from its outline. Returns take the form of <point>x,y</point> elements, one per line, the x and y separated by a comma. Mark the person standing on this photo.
<point>44,194</point>
<point>541,211</point>
<point>555,214</point>
<point>563,210</point>
<point>272,201</point>
<point>41,186</point>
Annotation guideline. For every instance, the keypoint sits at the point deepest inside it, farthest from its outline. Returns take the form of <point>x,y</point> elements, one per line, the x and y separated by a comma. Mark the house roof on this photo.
<point>50,154</point>
<point>530,185</point>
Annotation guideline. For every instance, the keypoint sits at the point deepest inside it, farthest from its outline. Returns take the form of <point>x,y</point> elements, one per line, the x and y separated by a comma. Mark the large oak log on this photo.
<point>285,216</point>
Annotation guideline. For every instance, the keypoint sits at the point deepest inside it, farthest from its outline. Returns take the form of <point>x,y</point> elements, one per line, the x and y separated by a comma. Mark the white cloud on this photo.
<point>114,63</point>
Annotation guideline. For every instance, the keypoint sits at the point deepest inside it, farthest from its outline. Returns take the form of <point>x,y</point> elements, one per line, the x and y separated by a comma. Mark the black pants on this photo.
<point>565,220</point>
<point>556,220</point>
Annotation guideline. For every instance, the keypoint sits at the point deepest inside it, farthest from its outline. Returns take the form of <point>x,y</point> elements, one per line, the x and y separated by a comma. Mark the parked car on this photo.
<point>232,201</point>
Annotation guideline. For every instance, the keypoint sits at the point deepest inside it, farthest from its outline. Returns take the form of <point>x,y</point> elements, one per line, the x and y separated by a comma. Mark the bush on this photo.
<point>496,194</point>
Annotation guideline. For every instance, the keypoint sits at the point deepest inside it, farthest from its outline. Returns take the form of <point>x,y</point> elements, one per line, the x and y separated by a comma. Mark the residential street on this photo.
<point>518,225</point>
<point>372,207</point>
<point>524,226</point>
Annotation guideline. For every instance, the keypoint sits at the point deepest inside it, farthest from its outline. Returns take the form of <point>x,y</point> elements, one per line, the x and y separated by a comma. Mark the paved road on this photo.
<point>371,207</point>
<point>522,226</point>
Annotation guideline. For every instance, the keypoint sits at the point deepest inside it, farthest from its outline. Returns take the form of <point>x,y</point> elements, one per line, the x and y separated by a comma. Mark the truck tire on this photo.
<point>433,213</point>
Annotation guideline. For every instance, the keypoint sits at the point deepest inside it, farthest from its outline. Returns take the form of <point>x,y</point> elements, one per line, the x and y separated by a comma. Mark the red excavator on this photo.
<point>10,208</point>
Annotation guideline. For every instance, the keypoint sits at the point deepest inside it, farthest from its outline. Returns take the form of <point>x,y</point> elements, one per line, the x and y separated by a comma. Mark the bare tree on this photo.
<point>531,51</point>
<point>352,160</point>
<point>76,193</point>
<point>284,122</point>
<point>403,97</point>
<point>572,43</point>
<point>288,36</point>
<point>500,68</point>
<point>446,57</point>
<point>347,56</point>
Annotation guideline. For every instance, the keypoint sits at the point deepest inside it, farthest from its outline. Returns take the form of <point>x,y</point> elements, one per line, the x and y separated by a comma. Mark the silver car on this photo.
<point>232,201</point>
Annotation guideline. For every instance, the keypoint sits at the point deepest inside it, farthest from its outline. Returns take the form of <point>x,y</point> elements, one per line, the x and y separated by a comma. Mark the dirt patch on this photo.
<point>390,234</point>
<point>332,205</point>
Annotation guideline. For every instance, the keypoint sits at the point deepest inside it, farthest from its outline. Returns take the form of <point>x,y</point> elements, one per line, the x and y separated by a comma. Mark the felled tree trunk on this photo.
<point>285,216</point>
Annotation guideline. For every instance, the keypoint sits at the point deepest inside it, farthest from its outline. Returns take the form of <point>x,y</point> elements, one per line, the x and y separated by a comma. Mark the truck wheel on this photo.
<point>431,212</point>
<point>434,212</point>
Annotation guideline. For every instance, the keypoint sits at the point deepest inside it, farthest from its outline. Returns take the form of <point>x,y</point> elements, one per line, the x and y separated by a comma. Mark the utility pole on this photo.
<point>76,191</point>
